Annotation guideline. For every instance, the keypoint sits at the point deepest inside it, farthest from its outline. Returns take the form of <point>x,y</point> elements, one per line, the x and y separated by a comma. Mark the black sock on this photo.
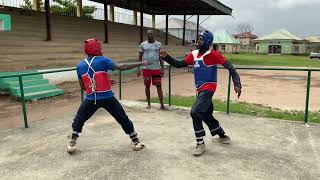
<point>200,140</point>
<point>134,137</point>
<point>74,135</point>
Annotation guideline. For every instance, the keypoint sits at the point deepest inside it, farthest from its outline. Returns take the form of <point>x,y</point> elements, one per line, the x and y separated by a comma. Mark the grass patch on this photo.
<point>272,60</point>
<point>246,108</point>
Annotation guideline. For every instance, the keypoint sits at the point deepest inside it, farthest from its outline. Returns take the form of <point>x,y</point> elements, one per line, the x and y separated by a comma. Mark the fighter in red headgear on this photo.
<point>93,78</point>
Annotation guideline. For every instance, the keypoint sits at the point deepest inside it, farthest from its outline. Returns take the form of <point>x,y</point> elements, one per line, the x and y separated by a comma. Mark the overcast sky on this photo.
<point>301,17</point>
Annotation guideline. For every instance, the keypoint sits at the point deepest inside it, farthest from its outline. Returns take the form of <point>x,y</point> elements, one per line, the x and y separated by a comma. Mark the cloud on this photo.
<point>287,4</point>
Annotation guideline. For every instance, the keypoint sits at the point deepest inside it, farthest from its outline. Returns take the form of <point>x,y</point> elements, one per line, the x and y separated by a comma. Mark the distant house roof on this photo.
<point>313,39</point>
<point>175,23</point>
<point>224,37</point>
<point>246,35</point>
<point>281,34</point>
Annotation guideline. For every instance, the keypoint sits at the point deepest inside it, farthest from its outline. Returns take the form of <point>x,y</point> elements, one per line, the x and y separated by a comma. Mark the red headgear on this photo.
<point>92,47</point>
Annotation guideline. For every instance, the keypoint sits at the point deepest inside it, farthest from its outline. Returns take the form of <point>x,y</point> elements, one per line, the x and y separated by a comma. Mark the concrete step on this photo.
<point>70,29</point>
<point>62,50</point>
<point>63,37</point>
<point>25,48</point>
<point>63,30</point>
<point>60,21</point>
<point>21,41</point>
<point>26,83</point>
<point>27,27</point>
<point>29,89</point>
<point>45,55</point>
<point>24,78</point>
<point>42,94</point>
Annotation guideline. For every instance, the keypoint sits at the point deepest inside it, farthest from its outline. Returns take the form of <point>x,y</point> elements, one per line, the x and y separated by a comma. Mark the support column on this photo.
<point>184,30</point>
<point>106,37</point>
<point>79,8</point>
<point>112,15</point>
<point>167,27</point>
<point>36,5</point>
<point>141,21</point>
<point>198,18</point>
<point>135,17</point>
<point>153,21</point>
<point>48,19</point>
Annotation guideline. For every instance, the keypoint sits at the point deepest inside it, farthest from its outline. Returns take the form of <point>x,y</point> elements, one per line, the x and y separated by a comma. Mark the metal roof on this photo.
<point>281,34</point>
<point>173,7</point>
<point>224,37</point>
<point>313,39</point>
<point>175,23</point>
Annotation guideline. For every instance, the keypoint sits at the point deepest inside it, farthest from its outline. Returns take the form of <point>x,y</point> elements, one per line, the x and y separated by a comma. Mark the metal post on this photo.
<point>306,113</point>
<point>141,21</point>
<point>167,27</point>
<point>198,18</point>
<point>48,19</point>
<point>228,98</point>
<point>106,37</point>
<point>153,21</point>
<point>112,13</point>
<point>135,17</point>
<point>169,85</point>
<point>23,103</point>
<point>184,30</point>
<point>120,84</point>
<point>79,8</point>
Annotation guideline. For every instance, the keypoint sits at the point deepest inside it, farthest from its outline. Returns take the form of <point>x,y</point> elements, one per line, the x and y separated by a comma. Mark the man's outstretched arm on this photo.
<point>170,60</point>
<point>127,66</point>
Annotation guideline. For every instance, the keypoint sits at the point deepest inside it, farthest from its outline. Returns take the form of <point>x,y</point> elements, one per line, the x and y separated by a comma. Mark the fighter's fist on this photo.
<point>238,91</point>
<point>163,53</point>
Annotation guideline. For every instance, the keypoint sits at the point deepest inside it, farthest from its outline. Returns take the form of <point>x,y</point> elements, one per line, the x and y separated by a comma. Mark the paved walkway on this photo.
<point>261,149</point>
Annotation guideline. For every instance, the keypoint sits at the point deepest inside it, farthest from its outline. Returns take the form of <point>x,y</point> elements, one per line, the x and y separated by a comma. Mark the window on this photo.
<point>223,47</point>
<point>296,48</point>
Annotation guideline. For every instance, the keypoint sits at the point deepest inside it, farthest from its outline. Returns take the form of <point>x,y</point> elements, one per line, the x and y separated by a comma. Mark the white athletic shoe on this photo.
<point>72,146</point>
<point>225,140</point>
<point>199,150</point>
<point>137,146</point>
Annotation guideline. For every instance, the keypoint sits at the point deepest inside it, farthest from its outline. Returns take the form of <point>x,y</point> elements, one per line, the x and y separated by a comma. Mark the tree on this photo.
<point>27,5</point>
<point>244,27</point>
<point>64,7</point>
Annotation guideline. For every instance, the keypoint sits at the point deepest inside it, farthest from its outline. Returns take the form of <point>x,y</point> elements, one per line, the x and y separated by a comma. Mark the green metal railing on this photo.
<point>23,102</point>
<point>308,70</point>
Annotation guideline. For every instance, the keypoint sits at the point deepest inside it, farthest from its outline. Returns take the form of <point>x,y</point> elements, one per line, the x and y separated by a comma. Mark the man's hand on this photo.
<point>163,53</point>
<point>143,63</point>
<point>238,91</point>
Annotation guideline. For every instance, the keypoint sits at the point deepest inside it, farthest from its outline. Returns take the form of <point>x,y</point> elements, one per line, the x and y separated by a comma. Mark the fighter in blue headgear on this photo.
<point>205,61</point>
<point>205,40</point>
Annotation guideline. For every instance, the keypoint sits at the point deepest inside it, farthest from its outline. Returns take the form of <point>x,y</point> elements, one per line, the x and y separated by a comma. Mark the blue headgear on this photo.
<point>207,39</point>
